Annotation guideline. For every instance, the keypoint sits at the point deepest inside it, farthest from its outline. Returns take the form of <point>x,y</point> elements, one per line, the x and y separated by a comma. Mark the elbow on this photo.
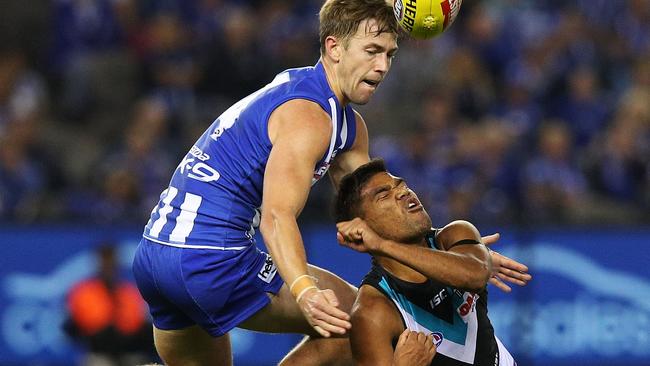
<point>265,230</point>
<point>271,221</point>
<point>484,275</point>
<point>268,225</point>
<point>479,276</point>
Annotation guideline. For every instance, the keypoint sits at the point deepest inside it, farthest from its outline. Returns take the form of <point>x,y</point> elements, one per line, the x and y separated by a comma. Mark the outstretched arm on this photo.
<point>299,131</point>
<point>462,266</point>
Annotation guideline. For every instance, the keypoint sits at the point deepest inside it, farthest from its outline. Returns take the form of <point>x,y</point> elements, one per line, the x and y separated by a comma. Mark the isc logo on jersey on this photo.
<point>437,300</point>
<point>198,170</point>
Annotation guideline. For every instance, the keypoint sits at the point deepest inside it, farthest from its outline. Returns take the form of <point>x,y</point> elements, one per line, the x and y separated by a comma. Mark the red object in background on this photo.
<point>93,307</point>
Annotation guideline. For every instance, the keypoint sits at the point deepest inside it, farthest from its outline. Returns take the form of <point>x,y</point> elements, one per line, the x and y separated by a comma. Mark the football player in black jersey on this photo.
<point>424,280</point>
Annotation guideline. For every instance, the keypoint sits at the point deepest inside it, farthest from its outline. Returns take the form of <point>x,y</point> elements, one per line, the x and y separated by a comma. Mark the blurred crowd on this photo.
<point>525,112</point>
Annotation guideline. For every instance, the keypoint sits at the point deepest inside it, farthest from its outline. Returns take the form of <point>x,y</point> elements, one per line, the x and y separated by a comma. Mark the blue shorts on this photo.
<point>215,289</point>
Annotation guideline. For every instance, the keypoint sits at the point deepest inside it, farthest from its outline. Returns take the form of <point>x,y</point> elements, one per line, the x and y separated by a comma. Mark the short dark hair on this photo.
<point>341,18</point>
<point>348,197</point>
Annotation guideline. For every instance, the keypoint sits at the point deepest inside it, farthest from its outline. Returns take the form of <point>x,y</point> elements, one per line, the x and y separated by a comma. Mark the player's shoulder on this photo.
<point>301,111</point>
<point>455,231</point>
<point>373,308</point>
<point>300,117</point>
<point>304,80</point>
<point>303,91</point>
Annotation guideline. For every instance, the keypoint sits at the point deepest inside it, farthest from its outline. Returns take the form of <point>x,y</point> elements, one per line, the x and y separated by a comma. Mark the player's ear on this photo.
<point>333,48</point>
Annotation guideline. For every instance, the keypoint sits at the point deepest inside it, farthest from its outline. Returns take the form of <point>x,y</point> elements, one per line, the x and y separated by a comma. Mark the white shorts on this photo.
<point>505,358</point>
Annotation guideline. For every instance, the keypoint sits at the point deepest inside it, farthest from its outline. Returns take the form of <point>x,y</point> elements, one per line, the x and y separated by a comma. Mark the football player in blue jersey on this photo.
<point>422,280</point>
<point>198,266</point>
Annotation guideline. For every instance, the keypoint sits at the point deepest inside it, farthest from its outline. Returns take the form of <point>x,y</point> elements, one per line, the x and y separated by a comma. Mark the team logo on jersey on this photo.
<point>322,168</point>
<point>217,133</point>
<point>437,338</point>
<point>268,270</point>
<point>198,170</point>
<point>318,173</point>
<point>468,305</point>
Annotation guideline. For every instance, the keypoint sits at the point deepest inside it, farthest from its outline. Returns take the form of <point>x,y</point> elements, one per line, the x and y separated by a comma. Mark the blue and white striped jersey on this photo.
<point>215,193</point>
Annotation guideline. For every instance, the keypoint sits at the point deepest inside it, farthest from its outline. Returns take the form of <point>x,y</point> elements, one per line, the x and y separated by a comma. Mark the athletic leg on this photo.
<point>283,315</point>
<point>192,346</point>
<point>178,339</point>
<point>320,351</point>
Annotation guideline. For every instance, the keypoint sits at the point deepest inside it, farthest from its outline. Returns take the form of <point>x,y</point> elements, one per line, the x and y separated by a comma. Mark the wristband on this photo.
<point>301,283</point>
<point>304,291</point>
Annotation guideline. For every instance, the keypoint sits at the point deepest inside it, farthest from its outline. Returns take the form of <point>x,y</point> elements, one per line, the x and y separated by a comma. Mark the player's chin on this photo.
<point>363,96</point>
<point>362,99</point>
<point>422,222</point>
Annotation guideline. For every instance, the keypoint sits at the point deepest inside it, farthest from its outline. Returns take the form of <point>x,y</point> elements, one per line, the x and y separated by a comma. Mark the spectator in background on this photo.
<point>496,173</point>
<point>235,63</point>
<point>132,173</point>
<point>170,67</point>
<point>518,109</point>
<point>22,181</point>
<point>26,172</point>
<point>618,161</point>
<point>89,56</point>
<point>583,105</point>
<point>519,61</point>
<point>128,176</point>
<point>553,186</point>
<point>107,316</point>
<point>620,169</point>
<point>288,30</point>
<point>472,84</point>
<point>22,92</point>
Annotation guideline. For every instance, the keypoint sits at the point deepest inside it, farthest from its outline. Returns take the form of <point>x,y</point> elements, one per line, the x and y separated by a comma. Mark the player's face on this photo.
<point>365,62</point>
<point>393,210</point>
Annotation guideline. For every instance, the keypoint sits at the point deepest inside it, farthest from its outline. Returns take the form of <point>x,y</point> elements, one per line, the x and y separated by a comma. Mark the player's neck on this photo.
<point>333,81</point>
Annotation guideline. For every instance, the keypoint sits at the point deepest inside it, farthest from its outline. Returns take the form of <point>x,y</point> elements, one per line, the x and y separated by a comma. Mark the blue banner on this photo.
<point>589,302</point>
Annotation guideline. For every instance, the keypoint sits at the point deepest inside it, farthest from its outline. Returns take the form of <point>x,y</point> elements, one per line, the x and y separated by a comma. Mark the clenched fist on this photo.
<point>414,349</point>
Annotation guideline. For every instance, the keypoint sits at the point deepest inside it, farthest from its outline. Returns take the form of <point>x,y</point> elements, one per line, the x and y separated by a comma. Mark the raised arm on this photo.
<point>299,131</point>
<point>462,266</point>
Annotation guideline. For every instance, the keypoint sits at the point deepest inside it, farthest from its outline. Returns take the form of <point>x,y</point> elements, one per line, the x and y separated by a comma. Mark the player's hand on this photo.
<point>505,269</point>
<point>357,235</point>
<point>414,349</point>
<point>320,308</point>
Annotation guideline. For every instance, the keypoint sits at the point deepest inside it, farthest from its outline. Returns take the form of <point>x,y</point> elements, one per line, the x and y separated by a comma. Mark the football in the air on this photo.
<point>423,19</point>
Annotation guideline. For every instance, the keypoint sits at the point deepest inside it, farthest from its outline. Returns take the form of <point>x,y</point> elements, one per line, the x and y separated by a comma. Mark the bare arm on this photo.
<point>350,160</point>
<point>462,266</point>
<point>299,131</point>
<point>376,324</point>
